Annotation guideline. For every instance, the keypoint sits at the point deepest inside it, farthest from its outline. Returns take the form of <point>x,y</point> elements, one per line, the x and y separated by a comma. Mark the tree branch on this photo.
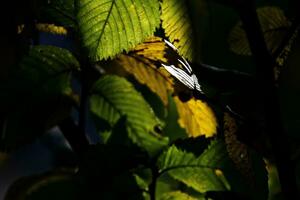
<point>267,90</point>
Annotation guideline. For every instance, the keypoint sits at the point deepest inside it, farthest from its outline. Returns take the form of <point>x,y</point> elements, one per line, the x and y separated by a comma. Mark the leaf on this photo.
<point>237,151</point>
<point>196,172</point>
<point>196,117</point>
<point>178,27</point>
<point>108,26</point>
<point>60,12</point>
<point>38,95</point>
<point>141,63</point>
<point>176,195</point>
<point>57,184</point>
<point>113,97</point>
<point>274,25</point>
<point>3,158</point>
<point>51,28</point>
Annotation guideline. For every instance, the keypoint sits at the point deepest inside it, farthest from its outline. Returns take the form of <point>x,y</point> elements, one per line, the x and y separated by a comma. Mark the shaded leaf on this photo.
<point>249,163</point>
<point>113,97</point>
<point>60,12</point>
<point>108,26</point>
<point>196,117</point>
<point>237,151</point>
<point>38,95</point>
<point>58,184</point>
<point>176,195</point>
<point>142,64</point>
<point>274,25</point>
<point>3,158</point>
<point>178,27</point>
<point>196,172</point>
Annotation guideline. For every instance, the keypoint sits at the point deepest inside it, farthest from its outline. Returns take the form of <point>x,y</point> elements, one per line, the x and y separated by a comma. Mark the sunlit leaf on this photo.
<point>113,97</point>
<point>176,195</point>
<point>196,172</point>
<point>142,64</point>
<point>196,117</point>
<point>178,27</point>
<point>108,27</point>
<point>274,25</point>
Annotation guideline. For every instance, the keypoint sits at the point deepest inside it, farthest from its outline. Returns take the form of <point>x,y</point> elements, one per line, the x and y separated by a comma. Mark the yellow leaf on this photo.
<point>274,25</point>
<point>51,28</point>
<point>142,64</point>
<point>196,117</point>
<point>3,158</point>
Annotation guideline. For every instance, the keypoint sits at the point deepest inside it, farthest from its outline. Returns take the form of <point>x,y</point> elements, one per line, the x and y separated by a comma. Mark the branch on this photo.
<point>267,90</point>
<point>74,136</point>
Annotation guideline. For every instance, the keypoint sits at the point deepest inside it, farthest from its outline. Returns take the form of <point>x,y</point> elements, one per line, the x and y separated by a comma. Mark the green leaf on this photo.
<point>196,172</point>
<point>61,12</point>
<point>49,68</point>
<point>38,96</point>
<point>178,26</point>
<point>274,26</point>
<point>114,97</point>
<point>177,195</point>
<point>110,26</point>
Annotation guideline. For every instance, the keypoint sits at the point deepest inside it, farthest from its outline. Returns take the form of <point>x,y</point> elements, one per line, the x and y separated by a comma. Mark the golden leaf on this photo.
<point>274,25</point>
<point>141,63</point>
<point>51,28</point>
<point>196,117</point>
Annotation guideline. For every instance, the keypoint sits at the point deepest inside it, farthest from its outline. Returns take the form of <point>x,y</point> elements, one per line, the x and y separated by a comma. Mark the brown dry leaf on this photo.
<point>274,25</point>
<point>143,63</point>
<point>196,117</point>
<point>237,151</point>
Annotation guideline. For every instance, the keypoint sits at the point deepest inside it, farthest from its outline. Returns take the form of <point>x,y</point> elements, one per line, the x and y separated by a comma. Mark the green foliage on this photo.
<point>177,26</point>
<point>113,97</point>
<point>198,173</point>
<point>38,95</point>
<point>108,26</point>
<point>61,12</point>
<point>112,83</point>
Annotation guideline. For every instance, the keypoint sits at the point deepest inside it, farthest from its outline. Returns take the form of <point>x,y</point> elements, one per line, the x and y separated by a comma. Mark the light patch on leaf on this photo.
<point>274,25</point>
<point>176,195</point>
<point>196,117</point>
<point>178,27</point>
<point>141,63</point>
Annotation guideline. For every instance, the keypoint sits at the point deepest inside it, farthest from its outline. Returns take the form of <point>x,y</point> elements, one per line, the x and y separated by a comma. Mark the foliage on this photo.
<point>135,131</point>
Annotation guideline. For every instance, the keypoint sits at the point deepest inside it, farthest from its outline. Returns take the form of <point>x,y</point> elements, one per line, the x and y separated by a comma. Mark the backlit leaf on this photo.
<point>176,195</point>
<point>110,26</point>
<point>196,117</point>
<point>178,26</point>
<point>197,172</point>
<point>114,97</point>
<point>274,25</point>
